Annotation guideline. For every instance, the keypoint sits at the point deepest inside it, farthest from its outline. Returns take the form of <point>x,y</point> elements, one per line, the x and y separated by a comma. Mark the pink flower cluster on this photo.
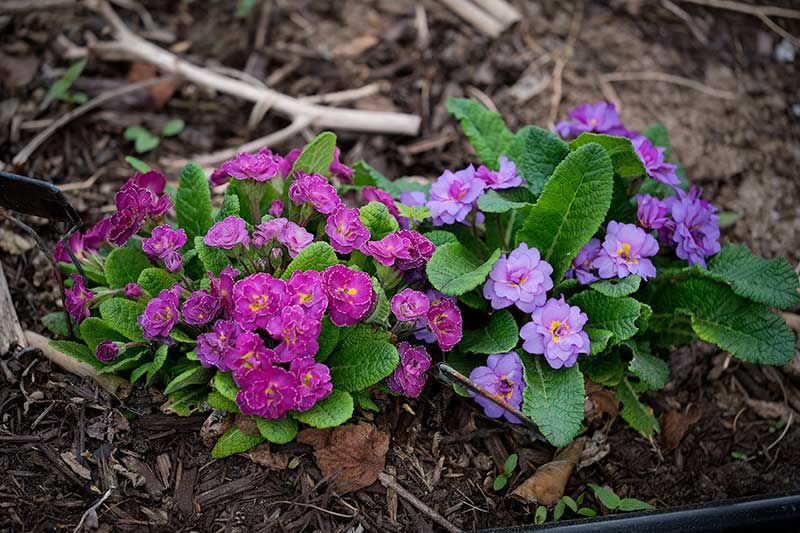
<point>141,197</point>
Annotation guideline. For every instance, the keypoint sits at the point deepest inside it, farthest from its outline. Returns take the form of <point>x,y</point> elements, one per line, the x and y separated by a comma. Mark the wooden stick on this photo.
<point>669,78</point>
<point>390,482</point>
<point>323,117</point>
<point>11,7</point>
<point>10,330</point>
<point>476,16</point>
<point>501,10</point>
<point>748,9</point>
<point>114,385</point>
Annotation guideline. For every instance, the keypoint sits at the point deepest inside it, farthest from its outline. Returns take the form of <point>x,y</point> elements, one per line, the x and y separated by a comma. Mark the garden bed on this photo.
<point>726,453</point>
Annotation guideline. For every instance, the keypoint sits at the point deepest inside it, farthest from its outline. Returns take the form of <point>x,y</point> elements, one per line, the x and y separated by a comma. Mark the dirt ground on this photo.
<point>737,132</point>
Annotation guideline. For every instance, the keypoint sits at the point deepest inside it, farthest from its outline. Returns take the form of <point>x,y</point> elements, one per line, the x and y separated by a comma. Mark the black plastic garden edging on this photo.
<point>768,514</point>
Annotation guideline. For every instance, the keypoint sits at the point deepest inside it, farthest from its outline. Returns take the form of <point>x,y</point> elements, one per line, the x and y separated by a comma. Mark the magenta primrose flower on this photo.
<point>346,231</point>
<point>454,195</point>
<point>268,230</point>
<point>339,169</point>
<point>97,234</point>
<point>227,234</point>
<point>411,373</point>
<point>160,316</point>
<point>267,391</point>
<point>275,208</point>
<point>601,117</point>
<point>165,243</point>
<point>247,353</point>
<point>83,245</point>
<point>503,378</point>
<point>556,332</point>
<point>306,290</point>
<point>285,167</point>
<point>222,288</point>
<point>652,158</point>
<point>256,299</point>
<point>420,250</point>
<point>651,211</point>
<point>294,238</point>
<point>133,291</point>
<point>77,299</point>
<point>200,308</point>
<point>696,227</point>
<point>134,204</point>
<point>260,166</point>
<point>374,194</point>
<point>107,351</point>
<point>409,304</point>
<point>505,178</point>
<point>522,278</point>
<point>351,296</point>
<point>626,249</point>
<point>212,346</point>
<point>313,382</point>
<point>583,266</point>
<point>389,249</point>
<point>296,332</point>
<point>445,322</point>
<point>151,180</point>
<point>316,190</point>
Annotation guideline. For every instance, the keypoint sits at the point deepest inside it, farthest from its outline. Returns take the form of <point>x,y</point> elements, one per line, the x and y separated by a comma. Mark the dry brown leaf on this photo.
<point>596,449</point>
<point>160,93</point>
<point>76,466</point>
<point>599,402</point>
<point>675,424</point>
<point>215,425</point>
<point>17,71</point>
<point>770,410</point>
<point>357,450</point>
<point>262,455</point>
<point>247,425</point>
<point>546,486</point>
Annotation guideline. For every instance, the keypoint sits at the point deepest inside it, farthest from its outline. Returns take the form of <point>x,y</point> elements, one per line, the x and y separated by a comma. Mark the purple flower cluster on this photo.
<point>601,117</point>
<point>228,234</point>
<point>285,232</point>
<point>77,299</point>
<point>373,194</point>
<point>141,197</point>
<point>652,158</point>
<point>502,378</point>
<point>583,266</point>
<point>164,244</point>
<point>454,195</point>
<point>522,279</point>
<point>161,315</point>
<point>82,245</point>
<point>556,332</point>
<point>505,178</point>
<point>261,166</point>
<point>626,250</point>
<point>412,372</point>
<point>345,230</point>
<point>314,189</point>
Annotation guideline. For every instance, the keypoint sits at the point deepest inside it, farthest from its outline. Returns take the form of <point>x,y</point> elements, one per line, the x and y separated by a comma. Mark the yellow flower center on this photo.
<point>558,329</point>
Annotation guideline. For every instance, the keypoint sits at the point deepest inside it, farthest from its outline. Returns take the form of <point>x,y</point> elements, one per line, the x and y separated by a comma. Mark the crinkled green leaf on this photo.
<point>380,314</point>
<point>485,129</point>
<point>622,208</point>
<point>316,256</point>
<point>317,156</point>
<point>536,153</point>
<point>375,216</point>
<point>357,366</point>
<point>77,350</point>
<point>553,399</point>
<point>623,156</point>
<point>185,401</point>
<point>439,237</point>
<point>277,431</point>
<point>499,335</point>
<point>214,259</point>
<point>123,266</point>
<point>193,202</point>
<point>606,369</point>
<point>218,401</point>
<point>230,206</point>
<point>501,201</point>
<point>455,270</point>
<point>331,411</point>
<point>223,382</point>
<point>155,280</point>
<point>234,441</point>
<point>192,376</point>
<point>328,339</point>
<point>364,401</point>
<point>618,287</point>
<point>95,330</point>
<point>617,315</point>
<point>634,412</point>
<point>598,339</point>
<point>57,323</point>
<point>122,315</point>
<point>654,372</point>
<point>571,208</point>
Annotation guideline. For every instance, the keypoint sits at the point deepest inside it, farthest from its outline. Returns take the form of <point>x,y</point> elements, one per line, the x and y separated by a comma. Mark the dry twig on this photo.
<point>10,330</point>
<point>670,78</point>
<point>563,58</point>
<point>748,9</point>
<point>390,482</point>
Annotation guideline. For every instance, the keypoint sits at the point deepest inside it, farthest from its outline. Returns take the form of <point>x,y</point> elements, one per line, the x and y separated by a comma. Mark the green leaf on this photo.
<point>218,401</point>
<point>61,86</point>
<point>500,335</point>
<point>122,315</point>
<point>132,133</point>
<point>230,207</point>
<point>57,323</point>
<point>586,511</point>
<point>193,202</point>
<point>541,515</point>
<point>635,413</point>
<point>439,237</point>
<point>624,158</point>
<point>772,282</point>
<point>223,382</point>
<point>380,315</point>
<point>553,399</point>
<point>155,280</point>
<point>511,463</point>
<point>569,502</point>
<point>375,216</point>
<point>185,401</point>
<point>632,504</point>
<point>728,218</point>
<point>365,401</point>
<point>571,208</point>
<point>606,370</point>
<point>173,127</point>
<point>333,410</point>
<point>454,270</point>
<point>494,201</point>
<point>316,256</point>
<point>94,331</point>
<point>123,266</point>
<point>654,372</point>
<point>499,483</point>
<point>127,360</point>
<point>91,272</point>
<point>192,376</point>
<point>598,339</point>
<point>360,334</point>
<point>328,339</point>
<point>366,176</point>
<point>234,441</point>
<point>213,259</point>
<point>658,135</point>
<point>622,208</point>
<point>78,351</point>
<point>278,431</point>
<point>137,164</point>
<point>485,129</point>
<point>357,366</point>
<point>558,512</point>
<point>618,287</point>
<point>617,315</point>
<point>317,156</point>
<point>145,142</point>
<point>606,496</point>
<point>536,152</point>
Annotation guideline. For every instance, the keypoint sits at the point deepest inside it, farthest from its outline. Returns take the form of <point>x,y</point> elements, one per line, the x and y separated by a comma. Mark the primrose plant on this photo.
<point>314,285</point>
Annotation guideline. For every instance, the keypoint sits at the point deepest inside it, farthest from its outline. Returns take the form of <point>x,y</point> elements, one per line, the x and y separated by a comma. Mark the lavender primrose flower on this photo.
<point>107,351</point>
<point>294,238</point>
<point>306,290</point>
<point>583,266</point>
<point>160,316</point>
<point>502,377</point>
<point>454,195</point>
<point>696,227</point>
<point>601,117</point>
<point>556,332</point>
<point>316,190</point>
<point>389,249</point>
<point>227,234</point>
<point>268,391</point>
<point>651,211</point>
<point>408,305</point>
<point>77,299</point>
<point>420,250</point>
<point>276,208</point>
<point>410,375</point>
<point>444,319</point>
<point>351,296</point>
<point>652,158</point>
<point>268,230</point>
<point>339,169</point>
<point>346,231</point>
<point>130,214</point>
<point>256,299</point>
<point>200,308</point>
<point>505,178</point>
<point>373,194</point>
<point>247,353</point>
<point>133,291</point>
<point>296,332</point>
<point>522,278</point>
<point>222,288</point>
<point>313,382</point>
<point>212,346</point>
<point>626,249</point>
<point>260,166</point>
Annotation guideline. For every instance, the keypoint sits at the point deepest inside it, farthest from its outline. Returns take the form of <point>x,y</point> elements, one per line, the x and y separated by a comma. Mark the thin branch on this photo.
<point>323,117</point>
<point>390,482</point>
<point>669,78</point>
<point>501,10</point>
<point>748,9</point>
<point>11,7</point>
<point>95,102</point>
<point>477,17</point>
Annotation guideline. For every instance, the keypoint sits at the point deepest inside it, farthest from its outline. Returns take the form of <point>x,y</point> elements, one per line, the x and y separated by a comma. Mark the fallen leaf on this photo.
<point>215,425</point>
<point>14,243</point>
<point>358,451</point>
<point>770,410</point>
<point>247,425</point>
<point>599,403</point>
<point>595,450</point>
<point>675,424</point>
<point>76,466</point>
<point>17,71</point>
<point>546,486</point>
<point>262,455</point>
<point>160,93</point>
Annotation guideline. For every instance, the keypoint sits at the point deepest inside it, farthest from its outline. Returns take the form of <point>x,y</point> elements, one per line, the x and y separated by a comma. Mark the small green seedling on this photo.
<point>60,88</point>
<point>609,499</point>
<point>740,456</point>
<point>567,502</point>
<point>137,164</point>
<point>776,426</point>
<point>541,515</point>
<point>144,140</point>
<point>508,468</point>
